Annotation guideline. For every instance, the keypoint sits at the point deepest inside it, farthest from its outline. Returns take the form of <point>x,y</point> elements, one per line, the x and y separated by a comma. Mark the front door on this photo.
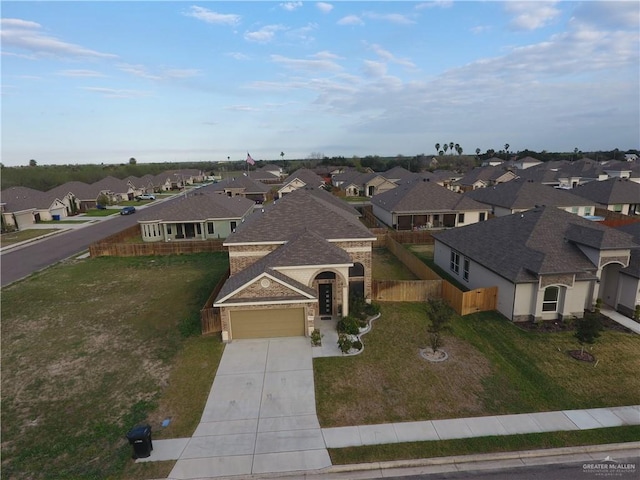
<point>326,299</point>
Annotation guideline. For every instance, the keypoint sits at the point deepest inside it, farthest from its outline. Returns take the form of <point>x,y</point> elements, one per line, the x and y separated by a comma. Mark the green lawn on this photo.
<point>494,368</point>
<point>56,222</point>
<point>94,212</point>
<point>23,235</point>
<point>386,266</point>
<point>92,347</point>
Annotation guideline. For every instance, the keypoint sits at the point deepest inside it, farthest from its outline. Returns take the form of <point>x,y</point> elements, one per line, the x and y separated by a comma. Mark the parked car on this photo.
<point>128,210</point>
<point>100,207</point>
<point>146,196</point>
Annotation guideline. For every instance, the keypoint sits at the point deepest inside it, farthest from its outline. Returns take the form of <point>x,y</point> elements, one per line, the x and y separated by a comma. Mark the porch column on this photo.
<point>345,300</point>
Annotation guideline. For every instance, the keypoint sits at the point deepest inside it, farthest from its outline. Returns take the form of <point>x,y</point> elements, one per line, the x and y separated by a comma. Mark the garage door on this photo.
<point>285,322</point>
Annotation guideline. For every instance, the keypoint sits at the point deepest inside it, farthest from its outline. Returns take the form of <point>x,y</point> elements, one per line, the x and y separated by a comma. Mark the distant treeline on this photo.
<point>46,177</point>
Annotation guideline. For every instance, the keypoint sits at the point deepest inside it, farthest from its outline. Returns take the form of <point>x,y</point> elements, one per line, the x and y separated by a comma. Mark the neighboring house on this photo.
<point>83,195</point>
<point>265,177</point>
<point>630,157</point>
<point>447,179</point>
<point>616,194</point>
<point>526,162</point>
<point>518,196</point>
<point>629,279</point>
<point>492,162</point>
<point>23,207</point>
<point>300,178</point>
<point>293,263</point>
<point>164,182</point>
<point>484,177</point>
<point>422,204</point>
<point>198,216</point>
<point>115,189</point>
<point>366,184</point>
<point>548,264</point>
<point>242,186</point>
<point>398,174</point>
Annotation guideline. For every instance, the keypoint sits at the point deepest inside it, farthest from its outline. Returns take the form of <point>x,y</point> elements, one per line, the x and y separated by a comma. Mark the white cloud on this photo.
<point>309,65</point>
<point>303,34</point>
<point>242,108</point>
<point>264,35</point>
<point>395,18</point>
<point>117,93</point>
<point>375,69</point>
<point>531,15</point>
<point>324,7</point>
<point>326,55</point>
<point>290,6</point>
<point>477,30</point>
<point>434,4</point>
<point>80,73</point>
<point>237,55</point>
<point>350,20</point>
<point>388,56</point>
<point>212,17</point>
<point>27,35</point>
<point>163,73</point>
<point>614,15</point>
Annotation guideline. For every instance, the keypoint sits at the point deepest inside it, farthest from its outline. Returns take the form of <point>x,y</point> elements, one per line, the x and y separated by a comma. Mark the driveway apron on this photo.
<point>260,416</point>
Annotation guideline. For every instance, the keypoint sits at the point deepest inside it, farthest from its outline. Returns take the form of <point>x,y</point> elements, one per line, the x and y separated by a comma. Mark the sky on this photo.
<point>101,82</point>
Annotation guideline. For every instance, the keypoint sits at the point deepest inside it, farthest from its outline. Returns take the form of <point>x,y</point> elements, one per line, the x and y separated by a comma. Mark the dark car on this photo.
<point>128,210</point>
<point>101,207</point>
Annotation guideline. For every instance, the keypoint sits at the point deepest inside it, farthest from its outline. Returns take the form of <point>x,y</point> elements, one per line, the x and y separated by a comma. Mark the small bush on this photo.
<point>357,345</point>
<point>316,338</point>
<point>344,343</point>
<point>349,325</point>
<point>372,309</point>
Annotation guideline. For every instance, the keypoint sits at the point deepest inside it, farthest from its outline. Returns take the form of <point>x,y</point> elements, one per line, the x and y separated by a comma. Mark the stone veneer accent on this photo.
<point>238,262</point>
<point>560,279</point>
<point>623,259</point>
<point>256,290</point>
<point>360,252</point>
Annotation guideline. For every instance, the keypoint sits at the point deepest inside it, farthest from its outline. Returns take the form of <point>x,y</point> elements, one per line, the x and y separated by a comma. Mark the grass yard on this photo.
<point>23,235</point>
<point>94,212</point>
<point>494,367</point>
<point>387,267</point>
<point>425,253</point>
<point>91,348</point>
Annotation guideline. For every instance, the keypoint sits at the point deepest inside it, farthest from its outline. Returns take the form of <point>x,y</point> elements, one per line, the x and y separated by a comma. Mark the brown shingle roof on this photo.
<point>200,207</point>
<point>609,192</point>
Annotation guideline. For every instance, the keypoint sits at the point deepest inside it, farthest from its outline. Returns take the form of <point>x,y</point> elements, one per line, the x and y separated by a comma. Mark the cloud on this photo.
<point>80,73</point>
<point>27,35</point>
<point>350,20</point>
<point>242,108</point>
<point>477,30</point>
<point>117,93</point>
<point>375,69</point>
<point>531,15</point>
<point>326,55</point>
<point>212,17</point>
<point>324,65</point>
<point>434,4</point>
<point>264,35</point>
<point>616,15</point>
<point>303,34</point>
<point>163,74</point>
<point>290,6</point>
<point>388,56</point>
<point>395,18</point>
<point>324,7</point>
<point>237,55</point>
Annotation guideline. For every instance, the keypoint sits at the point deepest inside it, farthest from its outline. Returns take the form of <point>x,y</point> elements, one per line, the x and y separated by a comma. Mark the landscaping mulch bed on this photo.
<point>555,326</point>
<point>581,355</point>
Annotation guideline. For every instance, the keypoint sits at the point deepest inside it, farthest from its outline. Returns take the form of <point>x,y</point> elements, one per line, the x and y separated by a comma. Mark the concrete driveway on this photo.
<point>260,416</point>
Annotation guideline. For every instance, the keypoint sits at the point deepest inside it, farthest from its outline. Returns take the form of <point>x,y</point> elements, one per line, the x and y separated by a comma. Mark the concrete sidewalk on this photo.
<point>621,319</point>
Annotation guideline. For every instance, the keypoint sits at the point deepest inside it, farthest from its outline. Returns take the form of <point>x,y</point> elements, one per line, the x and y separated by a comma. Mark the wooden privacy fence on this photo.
<point>405,290</point>
<point>413,263</point>
<point>464,303</point>
<point>382,234</point>
<point>210,315</point>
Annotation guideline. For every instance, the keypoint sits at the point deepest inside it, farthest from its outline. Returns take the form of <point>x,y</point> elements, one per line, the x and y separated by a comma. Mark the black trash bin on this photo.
<point>140,438</point>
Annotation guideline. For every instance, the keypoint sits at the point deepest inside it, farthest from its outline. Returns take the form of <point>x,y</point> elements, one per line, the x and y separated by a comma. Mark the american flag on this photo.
<point>250,160</point>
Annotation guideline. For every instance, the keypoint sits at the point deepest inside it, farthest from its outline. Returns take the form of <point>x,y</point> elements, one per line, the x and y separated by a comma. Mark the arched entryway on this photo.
<point>609,284</point>
<point>326,286</point>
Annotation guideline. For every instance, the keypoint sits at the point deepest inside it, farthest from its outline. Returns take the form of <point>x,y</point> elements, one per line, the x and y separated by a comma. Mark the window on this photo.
<point>198,229</point>
<point>587,211</point>
<point>617,207</point>
<point>482,216</point>
<point>465,269</point>
<point>233,226</point>
<point>169,229</point>
<point>461,218</point>
<point>550,300</point>
<point>574,209</point>
<point>210,229</point>
<point>454,265</point>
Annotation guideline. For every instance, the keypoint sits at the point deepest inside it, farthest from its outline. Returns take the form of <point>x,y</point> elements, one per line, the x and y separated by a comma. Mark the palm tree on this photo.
<point>445,147</point>
<point>451,144</point>
<point>506,151</point>
<point>437,147</point>
<point>457,147</point>
<point>459,150</point>
<point>478,151</point>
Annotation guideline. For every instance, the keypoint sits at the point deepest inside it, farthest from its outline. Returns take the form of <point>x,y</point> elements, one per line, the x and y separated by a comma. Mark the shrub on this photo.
<point>356,305</point>
<point>636,313</point>
<point>439,314</point>
<point>372,309</point>
<point>316,338</point>
<point>349,325</point>
<point>344,343</point>
<point>357,345</point>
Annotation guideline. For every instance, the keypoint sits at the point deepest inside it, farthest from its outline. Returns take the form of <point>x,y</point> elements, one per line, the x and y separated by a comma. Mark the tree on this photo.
<point>506,151</point>
<point>32,163</point>
<point>445,147</point>
<point>439,314</point>
<point>588,328</point>
<point>437,147</point>
<point>451,144</point>
<point>132,161</point>
<point>478,151</point>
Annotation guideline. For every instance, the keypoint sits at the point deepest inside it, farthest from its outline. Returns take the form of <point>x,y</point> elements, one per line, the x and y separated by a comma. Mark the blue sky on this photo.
<point>100,82</point>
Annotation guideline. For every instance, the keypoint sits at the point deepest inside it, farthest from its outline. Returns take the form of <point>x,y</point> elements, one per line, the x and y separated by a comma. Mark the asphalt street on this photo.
<point>23,261</point>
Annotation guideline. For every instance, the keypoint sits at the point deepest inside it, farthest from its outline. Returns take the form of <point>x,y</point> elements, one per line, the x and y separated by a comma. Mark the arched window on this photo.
<point>550,299</point>
<point>357,270</point>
